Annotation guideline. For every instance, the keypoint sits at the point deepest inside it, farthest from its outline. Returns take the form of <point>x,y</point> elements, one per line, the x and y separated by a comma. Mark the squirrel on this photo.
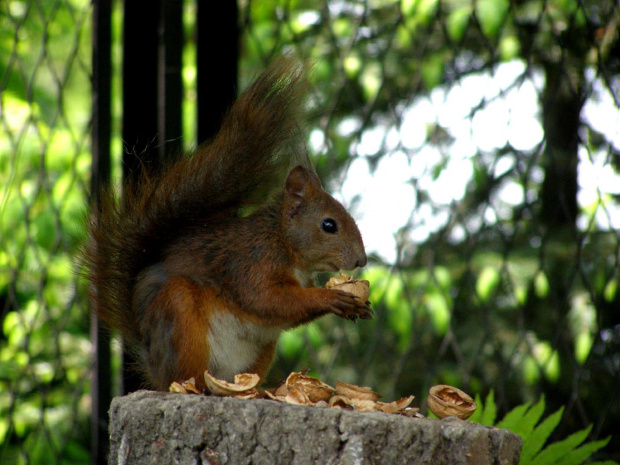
<point>203,264</point>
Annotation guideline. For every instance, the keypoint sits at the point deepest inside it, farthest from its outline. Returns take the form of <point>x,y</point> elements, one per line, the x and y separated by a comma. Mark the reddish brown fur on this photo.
<point>173,262</point>
<point>181,301</point>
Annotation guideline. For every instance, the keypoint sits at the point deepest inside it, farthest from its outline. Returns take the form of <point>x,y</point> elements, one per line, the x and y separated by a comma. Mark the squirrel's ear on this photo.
<point>301,184</point>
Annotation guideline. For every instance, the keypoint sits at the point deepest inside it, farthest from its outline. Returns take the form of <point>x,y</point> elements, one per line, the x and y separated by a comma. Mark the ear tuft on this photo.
<point>301,184</point>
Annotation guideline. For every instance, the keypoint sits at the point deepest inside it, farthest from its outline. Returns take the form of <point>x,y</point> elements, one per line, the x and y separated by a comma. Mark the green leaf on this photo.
<point>492,14</point>
<point>610,290</point>
<point>541,285</point>
<point>432,70</point>
<point>558,450</point>
<point>422,10</point>
<point>4,427</point>
<point>400,315</point>
<point>291,343</point>
<point>425,10</point>
<point>487,282</point>
<point>535,442</point>
<point>509,48</point>
<point>457,21</point>
<point>439,311</point>
<point>583,345</point>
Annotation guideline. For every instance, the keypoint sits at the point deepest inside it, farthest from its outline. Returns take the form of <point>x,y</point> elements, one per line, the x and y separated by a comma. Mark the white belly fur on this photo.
<point>235,345</point>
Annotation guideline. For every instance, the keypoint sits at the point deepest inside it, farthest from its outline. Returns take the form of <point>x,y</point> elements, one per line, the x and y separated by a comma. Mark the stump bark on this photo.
<point>161,428</point>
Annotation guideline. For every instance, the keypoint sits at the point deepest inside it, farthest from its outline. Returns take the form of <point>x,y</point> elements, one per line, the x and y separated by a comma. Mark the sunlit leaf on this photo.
<point>509,48</point>
<point>439,311</point>
<point>610,290</point>
<point>492,14</point>
<point>583,345</point>
<point>541,285</point>
<point>432,71</point>
<point>457,22</point>
<point>425,10</point>
<point>422,10</point>
<point>291,342</point>
<point>370,79</point>
<point>531,370</point>
<point>487,282</point>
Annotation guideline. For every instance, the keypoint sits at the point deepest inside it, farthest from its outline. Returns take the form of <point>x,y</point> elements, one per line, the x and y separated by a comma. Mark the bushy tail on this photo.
<point>258,143</point>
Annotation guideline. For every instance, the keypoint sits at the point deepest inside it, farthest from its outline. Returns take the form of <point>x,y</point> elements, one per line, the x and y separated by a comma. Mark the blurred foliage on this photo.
<point>492,298</point>
<point>499,295</point>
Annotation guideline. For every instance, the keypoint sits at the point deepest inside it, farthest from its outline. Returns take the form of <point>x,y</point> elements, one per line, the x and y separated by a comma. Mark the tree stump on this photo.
<point>161,428</point>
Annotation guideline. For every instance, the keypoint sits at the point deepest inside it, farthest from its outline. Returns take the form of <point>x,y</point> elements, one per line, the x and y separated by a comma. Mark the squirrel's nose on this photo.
<point>361,262</point>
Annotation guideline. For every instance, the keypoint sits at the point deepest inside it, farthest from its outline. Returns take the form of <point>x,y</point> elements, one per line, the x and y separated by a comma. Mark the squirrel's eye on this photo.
<point>329,225</point>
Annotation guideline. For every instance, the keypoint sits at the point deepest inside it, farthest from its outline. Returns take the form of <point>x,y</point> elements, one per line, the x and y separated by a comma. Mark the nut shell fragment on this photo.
<point>281,391</point>
<point>395,406</point>
<point>178,388</point>
<point>412,412</point>
<point>315,389</point>
<point>362,405</point>
<point>445,401</point>
<point>243,386</point>
<point>301,389</point>
<point>341,402</point>
<point>356,392</point>
<point>185,387</point>
<point>298,397</point>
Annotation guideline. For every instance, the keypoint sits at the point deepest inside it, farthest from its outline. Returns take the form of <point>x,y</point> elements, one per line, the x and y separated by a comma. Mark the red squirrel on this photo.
<point>192,284</point>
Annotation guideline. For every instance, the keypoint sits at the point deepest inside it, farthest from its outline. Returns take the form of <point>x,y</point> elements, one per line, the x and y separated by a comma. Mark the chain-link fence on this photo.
<point>477,142</point>
<point>44,165</point>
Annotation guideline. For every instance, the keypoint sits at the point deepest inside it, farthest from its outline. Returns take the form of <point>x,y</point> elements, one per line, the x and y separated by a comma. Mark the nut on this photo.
<point>359,288</point>
<point>340,279</point>
<point>445,401</point>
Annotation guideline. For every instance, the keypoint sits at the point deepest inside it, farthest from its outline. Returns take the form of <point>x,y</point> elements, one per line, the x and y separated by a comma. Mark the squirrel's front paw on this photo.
<point>348,306</point>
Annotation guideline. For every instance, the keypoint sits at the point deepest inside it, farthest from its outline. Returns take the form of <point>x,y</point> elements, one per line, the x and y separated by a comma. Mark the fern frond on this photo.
<point>486,412</point>
<point>578,456</point>
<point>554,453</point>
<point>534,443</point>
<point>513,419</point>
<point>523,420</point>
<point>489,414</point>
